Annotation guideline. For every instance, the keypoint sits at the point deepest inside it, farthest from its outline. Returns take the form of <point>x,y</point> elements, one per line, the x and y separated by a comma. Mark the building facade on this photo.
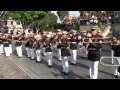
<point>9,24</point>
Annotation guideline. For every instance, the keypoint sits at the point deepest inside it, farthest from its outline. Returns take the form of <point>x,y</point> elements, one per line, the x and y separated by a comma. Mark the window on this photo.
<point>11,22</point>
<point>18,23</point>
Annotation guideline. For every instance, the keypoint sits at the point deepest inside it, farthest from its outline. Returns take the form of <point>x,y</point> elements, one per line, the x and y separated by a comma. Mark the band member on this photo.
<point>94,54</point>
<point>112,43</point>
<point>80,44</point>
<point>37,36</point>
<point>10,45</point>
<point>48,50</point>
<point>18,45</point>
<point>100,35</point>
<point>73,47</point>
<point>27,48</point>
<point>1,46</point>
<point>116,49</point>
<point>38,49</point>
<point>57,39</point>
<point>6,47</point>
<point>65,53</point>
<point>85,45</point>
<point>43,39</point>
<point>31,48</point>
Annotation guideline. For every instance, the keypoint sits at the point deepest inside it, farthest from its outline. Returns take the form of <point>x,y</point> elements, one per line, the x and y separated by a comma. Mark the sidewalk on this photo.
<point>9,70</point>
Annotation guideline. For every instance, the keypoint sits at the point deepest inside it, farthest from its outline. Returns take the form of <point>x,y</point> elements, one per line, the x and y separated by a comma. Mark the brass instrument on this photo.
<point>102,38</point>
<point>98,38</point>
<point>115,42</point>
<point>59,41</point>
<point>106,64</point>
<point>97,42</point>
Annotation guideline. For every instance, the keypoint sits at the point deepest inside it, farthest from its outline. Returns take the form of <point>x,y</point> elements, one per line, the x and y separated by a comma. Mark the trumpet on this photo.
<point>105,64</point>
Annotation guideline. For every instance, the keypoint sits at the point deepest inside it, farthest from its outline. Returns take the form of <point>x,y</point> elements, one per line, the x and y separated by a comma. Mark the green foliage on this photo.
<point>50,19</point>
<point>38,19</point>
<point>101,26</point>
<point>59,26</point>
<point>46,23</point>
<point>27,16</point>
<point>62,14</point>
<point>41,20</point>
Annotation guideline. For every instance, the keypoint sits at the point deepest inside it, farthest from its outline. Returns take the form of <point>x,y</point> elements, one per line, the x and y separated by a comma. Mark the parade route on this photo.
<point>33,45</point>
<point>41,71</point>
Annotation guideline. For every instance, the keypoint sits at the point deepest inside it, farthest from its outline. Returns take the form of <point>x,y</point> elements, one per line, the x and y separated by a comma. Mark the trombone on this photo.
<point>98,38</point>
<point>102,38</point>
<point>97,42</point>
<point>105,64</point>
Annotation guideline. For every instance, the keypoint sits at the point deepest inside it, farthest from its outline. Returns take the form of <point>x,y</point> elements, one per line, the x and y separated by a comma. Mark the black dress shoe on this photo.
<point>116,76</point>
<point>65,73</point>
<point>49,66</point>
<point>37,61</point>
<point>73,64</point>
<point>62,72</point>
<point>59,60</point>
<point>19,57</point>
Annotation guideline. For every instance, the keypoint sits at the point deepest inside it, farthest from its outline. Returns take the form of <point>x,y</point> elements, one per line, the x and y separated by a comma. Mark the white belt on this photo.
<point>92,49</point>
<point>73,42</point>
<point>6,42</point>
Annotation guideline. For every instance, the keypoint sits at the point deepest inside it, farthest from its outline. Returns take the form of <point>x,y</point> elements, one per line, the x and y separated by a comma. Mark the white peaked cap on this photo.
<point>83,31</point>
<point>64,32</point>
<point>59,30</point>
<point>50,32</point>
<point>74,31</point>
<point>48,35</point>
<point>45,32</point>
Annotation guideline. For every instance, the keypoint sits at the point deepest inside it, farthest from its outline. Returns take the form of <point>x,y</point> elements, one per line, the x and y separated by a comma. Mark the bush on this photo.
<point>101,26</point>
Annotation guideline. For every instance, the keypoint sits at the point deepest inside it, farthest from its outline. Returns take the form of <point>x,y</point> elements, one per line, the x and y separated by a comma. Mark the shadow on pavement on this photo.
<point>15,53</point>
<point>56,67</point>
<point>70,75</point>
<point>85,66</point>
<point>82,65</point>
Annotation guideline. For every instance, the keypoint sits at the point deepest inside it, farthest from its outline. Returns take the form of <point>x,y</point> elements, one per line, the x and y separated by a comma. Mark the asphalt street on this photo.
<point>41,71</point>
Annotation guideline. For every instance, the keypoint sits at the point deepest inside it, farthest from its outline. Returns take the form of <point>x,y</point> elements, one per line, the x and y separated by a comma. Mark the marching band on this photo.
<point>67,45</point>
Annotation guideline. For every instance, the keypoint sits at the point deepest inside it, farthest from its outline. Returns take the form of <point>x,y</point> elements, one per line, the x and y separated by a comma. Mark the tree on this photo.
<point>37,19</point>
<point>27,17</point>
<point>46,23</point>
<point>62,14</point>
<point>50,19</point>
<point>4,14</point>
